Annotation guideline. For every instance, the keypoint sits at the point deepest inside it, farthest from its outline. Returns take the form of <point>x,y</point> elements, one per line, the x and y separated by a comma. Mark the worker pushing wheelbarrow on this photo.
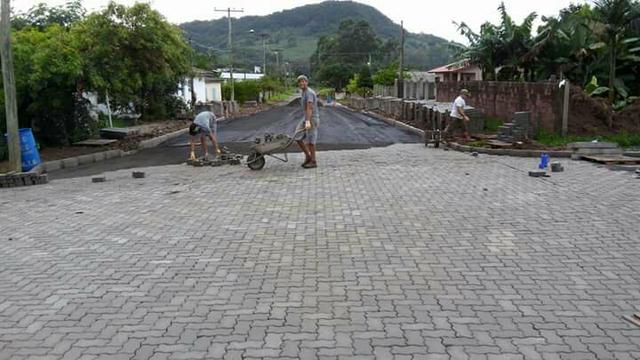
<point>306,134</point>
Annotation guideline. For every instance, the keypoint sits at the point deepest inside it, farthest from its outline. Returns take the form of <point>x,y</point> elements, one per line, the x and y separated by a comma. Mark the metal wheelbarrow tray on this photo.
<point>269,145</point>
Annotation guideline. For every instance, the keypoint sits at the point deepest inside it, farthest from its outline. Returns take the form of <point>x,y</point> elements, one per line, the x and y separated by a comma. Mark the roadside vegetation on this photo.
<point>594,46</point>
<point>623,139</point>
<point>132,54</point>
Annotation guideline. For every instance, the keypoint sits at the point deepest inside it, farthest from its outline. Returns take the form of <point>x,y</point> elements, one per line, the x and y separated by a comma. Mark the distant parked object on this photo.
<point>458,71</point>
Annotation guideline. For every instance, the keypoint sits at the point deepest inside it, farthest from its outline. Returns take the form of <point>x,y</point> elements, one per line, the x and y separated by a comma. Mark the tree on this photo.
<point>364,78</point>
<point>616,16</point>
<point>386,76</point>
<point>500,47</point>
<point>43,15</point>
<point>135,55</point>
<point>567,46</point>
<point>483,48</point>
<point>340,55</point>
<point>48,68</point>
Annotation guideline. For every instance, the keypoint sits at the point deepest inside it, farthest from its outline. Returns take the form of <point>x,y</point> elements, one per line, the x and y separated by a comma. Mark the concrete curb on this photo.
<point>153,142</point>
<point>395,123</point>
<point>109,154</point>
<point>510,152</point>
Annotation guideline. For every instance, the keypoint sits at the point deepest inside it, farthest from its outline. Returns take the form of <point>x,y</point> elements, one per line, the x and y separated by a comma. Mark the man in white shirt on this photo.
<point>458,118</point>
<point>205,125</point>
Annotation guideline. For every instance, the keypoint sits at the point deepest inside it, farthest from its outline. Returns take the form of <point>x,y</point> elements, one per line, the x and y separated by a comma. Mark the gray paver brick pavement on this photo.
<point>386,253</point>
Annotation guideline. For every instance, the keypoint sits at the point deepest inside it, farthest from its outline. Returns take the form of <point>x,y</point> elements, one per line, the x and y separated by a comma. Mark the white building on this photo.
<point>206,87</point>
<point>225,75</point>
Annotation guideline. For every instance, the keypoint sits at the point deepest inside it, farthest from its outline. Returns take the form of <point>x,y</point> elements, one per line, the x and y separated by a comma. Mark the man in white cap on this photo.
<point>308,127</point>
<point>458,118</point>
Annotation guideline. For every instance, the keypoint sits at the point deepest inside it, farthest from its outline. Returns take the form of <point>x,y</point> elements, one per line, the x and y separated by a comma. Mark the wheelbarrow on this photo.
<point>270,145</point>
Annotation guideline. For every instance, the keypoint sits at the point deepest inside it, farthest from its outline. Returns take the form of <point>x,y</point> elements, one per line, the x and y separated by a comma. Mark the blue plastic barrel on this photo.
<point>30,154</point>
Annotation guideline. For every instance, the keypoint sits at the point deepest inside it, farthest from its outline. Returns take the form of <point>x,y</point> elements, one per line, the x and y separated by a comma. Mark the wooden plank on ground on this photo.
<point>612,159</point>
<point>499,144</point>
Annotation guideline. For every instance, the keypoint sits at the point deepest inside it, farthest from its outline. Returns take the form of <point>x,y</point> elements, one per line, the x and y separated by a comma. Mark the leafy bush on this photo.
<point>491,124</point>
<point>326,92</point>
<point>248,90</point>
<point>386,76</point>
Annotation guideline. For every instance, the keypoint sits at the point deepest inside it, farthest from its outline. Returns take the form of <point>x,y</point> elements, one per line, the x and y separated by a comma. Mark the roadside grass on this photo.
<point>491,124</point>
<point>282,96</point>
<point>477,143</point>
<point>624,139</point>
<point>116,120</point>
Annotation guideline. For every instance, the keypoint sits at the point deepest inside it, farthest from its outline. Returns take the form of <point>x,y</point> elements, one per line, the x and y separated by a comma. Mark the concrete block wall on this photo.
<point>503,99</point>
<point>413,90</point>
<point>416,113</point>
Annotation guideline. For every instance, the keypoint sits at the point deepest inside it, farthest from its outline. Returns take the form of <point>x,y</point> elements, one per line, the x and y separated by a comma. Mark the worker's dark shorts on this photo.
<point>456,125</point>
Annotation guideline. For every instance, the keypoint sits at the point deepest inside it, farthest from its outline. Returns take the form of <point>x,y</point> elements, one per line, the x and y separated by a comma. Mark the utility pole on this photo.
<point>264,37</point>
<point>264,56</point>
<point>192,80</point>
<point>277,62</point>
<point>401,67</point>
<point>11,106</point>
<point>229,11</point>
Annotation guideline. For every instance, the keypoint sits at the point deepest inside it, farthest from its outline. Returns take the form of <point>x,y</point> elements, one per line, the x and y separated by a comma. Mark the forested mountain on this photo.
<point>295,33</point>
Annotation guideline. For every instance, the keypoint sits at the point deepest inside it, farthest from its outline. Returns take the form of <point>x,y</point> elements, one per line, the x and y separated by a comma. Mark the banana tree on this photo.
<point>482,49</point>
<point>616,18</point>
<point>567,46</point>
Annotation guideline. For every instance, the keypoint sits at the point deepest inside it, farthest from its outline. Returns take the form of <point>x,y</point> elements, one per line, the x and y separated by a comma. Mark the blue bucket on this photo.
<point>29,150</point>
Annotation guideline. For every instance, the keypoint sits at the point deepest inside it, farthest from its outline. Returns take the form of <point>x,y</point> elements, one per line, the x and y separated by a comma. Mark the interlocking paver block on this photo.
<point>386,253</point>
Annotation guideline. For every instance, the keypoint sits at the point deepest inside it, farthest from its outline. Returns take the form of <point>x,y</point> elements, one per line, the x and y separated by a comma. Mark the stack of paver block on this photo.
<point>519,129</point>
<point>595,148</point>
<point>22,179</point>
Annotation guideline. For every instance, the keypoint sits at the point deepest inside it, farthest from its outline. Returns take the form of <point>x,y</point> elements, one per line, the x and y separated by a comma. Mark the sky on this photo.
<point>426,16</point>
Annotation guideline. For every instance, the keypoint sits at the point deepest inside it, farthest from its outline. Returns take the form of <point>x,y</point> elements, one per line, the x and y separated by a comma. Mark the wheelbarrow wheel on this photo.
<point>256,161</point>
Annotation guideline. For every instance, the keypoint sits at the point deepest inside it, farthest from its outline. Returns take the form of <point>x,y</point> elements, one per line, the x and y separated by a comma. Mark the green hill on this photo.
<point>295,32</point>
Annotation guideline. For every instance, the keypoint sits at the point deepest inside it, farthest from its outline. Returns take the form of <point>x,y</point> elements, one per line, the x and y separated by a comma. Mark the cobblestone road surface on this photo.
<point>387,253</point>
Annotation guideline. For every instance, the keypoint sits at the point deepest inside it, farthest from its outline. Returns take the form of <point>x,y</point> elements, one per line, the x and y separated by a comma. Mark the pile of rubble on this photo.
<point>223,159</point>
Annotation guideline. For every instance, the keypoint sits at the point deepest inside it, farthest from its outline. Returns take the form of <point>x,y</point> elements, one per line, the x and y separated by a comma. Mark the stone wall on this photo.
<point>503,99</point>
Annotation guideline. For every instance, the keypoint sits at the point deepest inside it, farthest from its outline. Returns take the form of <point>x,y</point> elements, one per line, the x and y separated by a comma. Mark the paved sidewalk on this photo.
<point>387,253</point>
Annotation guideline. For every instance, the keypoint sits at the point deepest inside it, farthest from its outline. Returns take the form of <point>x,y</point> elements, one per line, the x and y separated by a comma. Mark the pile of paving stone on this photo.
<point>519,129</point>
<point>22,179</point>
<point>224,159</point>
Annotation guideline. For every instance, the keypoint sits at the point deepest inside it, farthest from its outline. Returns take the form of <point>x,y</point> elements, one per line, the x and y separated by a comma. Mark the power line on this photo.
<point>202,46</point>
<point>229,11</point>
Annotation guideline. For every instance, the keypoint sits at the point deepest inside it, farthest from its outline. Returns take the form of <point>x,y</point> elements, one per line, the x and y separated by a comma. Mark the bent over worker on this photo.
<point>205,125</point>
